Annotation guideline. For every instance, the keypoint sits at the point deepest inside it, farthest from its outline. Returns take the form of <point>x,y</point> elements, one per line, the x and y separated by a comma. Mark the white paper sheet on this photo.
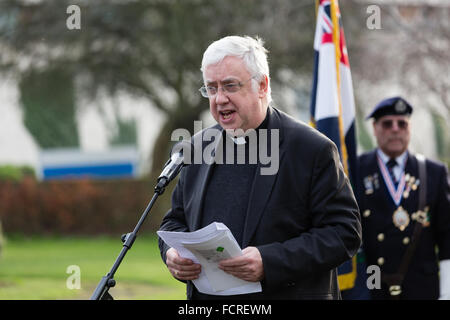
<point>208,246</point>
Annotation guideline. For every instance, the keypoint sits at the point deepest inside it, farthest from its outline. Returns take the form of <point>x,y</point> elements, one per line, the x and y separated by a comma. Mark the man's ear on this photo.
<point>263,86</point>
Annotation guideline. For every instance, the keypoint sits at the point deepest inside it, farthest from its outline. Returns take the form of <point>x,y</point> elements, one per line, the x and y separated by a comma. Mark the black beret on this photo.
<point>391,106</point>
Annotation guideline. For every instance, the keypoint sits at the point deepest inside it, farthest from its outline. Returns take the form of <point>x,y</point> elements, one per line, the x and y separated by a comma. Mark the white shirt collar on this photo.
<point>400,167</point>
<point>238,140</point>
<point>400,159</point>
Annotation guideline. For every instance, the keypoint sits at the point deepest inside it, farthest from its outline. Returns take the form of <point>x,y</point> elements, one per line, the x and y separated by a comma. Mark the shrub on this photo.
<point>16,173</point>
<point>84,207</point>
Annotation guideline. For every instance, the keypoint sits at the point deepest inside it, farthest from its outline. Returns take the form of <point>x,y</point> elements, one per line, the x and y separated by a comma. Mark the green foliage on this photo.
<point>1,240</point>
<point>363,138</point>
<point>441,134</point>
<point>126,133</point>
<point>48,99</point>
<point>16,173</point>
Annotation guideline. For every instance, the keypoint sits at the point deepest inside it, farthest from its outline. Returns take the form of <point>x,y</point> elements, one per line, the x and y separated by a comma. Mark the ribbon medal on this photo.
<point>396,194</point>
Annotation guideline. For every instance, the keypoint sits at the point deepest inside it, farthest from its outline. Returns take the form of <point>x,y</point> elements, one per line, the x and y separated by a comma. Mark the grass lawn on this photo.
<point>36,268</point>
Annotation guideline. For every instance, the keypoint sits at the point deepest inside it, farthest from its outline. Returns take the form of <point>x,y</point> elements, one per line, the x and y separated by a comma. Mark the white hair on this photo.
<point>250,50</point>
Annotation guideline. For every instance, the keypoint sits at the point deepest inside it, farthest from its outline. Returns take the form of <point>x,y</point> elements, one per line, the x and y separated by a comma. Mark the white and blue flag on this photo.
<point>332,101</point>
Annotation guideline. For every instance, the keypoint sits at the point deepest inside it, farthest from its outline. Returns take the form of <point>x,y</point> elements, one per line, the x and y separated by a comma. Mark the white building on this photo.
<point>18,147</point>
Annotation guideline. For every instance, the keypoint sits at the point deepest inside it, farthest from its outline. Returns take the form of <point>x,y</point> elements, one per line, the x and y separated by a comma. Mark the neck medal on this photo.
<point>400,218</point>
<point>396,194</point>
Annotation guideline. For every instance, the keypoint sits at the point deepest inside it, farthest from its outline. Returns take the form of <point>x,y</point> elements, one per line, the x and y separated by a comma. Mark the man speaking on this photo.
<point>297,224</point>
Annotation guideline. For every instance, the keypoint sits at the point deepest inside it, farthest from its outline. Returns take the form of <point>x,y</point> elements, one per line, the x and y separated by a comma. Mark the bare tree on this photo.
<point>149,48</point>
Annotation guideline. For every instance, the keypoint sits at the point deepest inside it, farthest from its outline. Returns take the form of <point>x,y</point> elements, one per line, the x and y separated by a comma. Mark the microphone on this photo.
<point>180,157</point>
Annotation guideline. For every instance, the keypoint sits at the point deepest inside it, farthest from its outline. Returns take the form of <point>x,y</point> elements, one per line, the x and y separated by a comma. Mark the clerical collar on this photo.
<point>243,139</point>
<point>239,140</point>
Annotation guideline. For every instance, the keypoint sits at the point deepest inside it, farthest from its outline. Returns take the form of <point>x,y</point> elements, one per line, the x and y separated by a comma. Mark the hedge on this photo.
<point>16,173</point>
<point>84,207</point>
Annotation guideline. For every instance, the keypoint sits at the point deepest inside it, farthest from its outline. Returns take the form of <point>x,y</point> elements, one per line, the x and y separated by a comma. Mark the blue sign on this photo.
<point>118,162</point>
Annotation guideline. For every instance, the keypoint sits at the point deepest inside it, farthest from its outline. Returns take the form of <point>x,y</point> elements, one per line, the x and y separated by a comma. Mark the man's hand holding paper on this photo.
<point>247,267</point>
<point>196,256</point>
<point>182,268</point>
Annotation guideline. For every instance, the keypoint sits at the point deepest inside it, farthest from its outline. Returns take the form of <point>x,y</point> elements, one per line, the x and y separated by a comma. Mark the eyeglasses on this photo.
<point>388,124</point>
<point>230,87</point>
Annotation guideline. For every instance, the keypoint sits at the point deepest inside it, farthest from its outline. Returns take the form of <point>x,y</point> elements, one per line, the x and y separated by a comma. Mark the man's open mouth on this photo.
<point>226,114</point>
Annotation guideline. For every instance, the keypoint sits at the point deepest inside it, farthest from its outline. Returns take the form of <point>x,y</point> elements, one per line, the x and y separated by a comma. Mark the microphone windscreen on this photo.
<point>186,148</point>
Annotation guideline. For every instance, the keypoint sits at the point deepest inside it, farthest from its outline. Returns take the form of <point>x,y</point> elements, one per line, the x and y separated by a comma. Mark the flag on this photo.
<point>332,101</point>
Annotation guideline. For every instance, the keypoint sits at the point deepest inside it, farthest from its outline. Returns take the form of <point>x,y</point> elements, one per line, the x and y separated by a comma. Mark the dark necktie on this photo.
<point>391,165</point>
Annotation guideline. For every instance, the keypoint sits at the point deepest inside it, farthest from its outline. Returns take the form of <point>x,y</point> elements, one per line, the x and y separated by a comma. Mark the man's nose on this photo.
<point>221,96</point>
<point>395,126</point>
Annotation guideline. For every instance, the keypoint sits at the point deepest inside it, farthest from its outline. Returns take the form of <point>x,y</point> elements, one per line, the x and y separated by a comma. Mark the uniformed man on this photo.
<point>405,205</point>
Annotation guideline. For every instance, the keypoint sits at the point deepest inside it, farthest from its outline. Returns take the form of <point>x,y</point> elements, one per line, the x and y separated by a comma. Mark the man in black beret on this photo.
<point>405,204</point>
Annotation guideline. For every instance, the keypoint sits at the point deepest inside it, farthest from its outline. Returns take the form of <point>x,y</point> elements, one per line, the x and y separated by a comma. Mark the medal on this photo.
<point>368,185</point>
<point>375,181</point>
<point>409,187</point>
<point>422,217</point>
<point>400,218</point>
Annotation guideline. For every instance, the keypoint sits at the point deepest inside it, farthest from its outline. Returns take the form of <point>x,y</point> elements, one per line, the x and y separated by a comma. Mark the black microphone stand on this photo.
<point>107,282</point>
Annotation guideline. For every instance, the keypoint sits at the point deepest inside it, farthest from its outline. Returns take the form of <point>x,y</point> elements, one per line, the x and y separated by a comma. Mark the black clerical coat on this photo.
<point>304,219</point>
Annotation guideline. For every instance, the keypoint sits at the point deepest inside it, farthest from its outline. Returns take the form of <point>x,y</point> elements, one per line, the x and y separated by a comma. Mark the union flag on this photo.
<point>332,108</point>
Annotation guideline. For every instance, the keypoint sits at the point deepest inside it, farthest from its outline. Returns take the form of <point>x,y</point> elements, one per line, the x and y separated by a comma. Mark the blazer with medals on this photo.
<point>304,219</point>
<point>385,243</point>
